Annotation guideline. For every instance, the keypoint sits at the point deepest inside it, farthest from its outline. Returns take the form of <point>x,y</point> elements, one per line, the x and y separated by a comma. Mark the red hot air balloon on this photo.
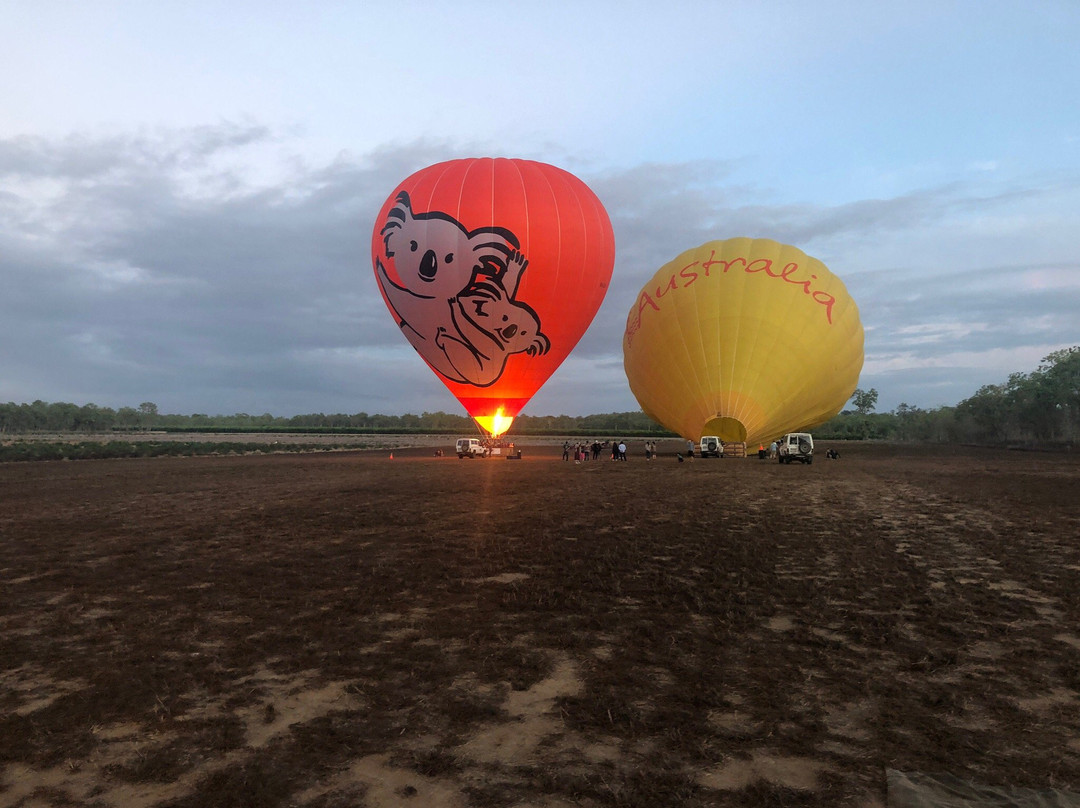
<point>493,269</point>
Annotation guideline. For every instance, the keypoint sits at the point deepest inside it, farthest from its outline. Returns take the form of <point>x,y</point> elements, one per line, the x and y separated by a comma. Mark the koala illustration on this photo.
<point>456,302</point>
<point>489,327</point>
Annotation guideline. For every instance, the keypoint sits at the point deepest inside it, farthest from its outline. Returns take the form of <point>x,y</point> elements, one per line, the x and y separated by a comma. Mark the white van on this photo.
<point>471,447</point>
<point>795,446</point>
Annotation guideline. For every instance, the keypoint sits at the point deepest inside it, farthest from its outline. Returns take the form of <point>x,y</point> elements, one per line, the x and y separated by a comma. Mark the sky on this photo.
<point>188,189</point>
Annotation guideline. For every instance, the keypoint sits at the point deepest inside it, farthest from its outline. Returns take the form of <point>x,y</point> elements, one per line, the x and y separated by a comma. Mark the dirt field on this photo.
<point>343,629</point>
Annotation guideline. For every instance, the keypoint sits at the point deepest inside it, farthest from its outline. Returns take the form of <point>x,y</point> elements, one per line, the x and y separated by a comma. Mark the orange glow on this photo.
<point>495,425</point>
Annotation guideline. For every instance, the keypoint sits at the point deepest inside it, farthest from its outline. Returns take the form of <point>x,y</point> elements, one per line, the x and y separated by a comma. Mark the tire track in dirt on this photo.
<point>982,630</point>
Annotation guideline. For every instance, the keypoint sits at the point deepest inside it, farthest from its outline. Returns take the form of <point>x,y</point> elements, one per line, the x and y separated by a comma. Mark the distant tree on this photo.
<point>127,417</point>
<point>864,400</point>
<point>92,418</point>
<point>907,421</point>
<point>1057,383</point>
<point>987,414</point>
<point>930,426</point>
<point>1044,403</point>
<point>61,417</point>
<point>147,414</point>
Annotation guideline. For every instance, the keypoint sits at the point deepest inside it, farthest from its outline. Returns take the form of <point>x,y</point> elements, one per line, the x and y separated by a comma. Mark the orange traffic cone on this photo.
<point>391,455</point>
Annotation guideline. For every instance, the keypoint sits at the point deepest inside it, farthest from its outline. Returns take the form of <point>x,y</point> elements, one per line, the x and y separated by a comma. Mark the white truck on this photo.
<point>471,447</point>
<point>711,446</point>
<point>795,446</point>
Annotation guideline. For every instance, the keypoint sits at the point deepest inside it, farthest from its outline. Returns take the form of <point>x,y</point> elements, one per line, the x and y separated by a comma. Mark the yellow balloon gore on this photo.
<point>746,339</point>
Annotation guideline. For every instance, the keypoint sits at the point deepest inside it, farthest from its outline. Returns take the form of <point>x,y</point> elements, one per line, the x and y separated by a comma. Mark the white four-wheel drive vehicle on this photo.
<point>711,446</point>
<point>795,446</point>
<point>471,447</point>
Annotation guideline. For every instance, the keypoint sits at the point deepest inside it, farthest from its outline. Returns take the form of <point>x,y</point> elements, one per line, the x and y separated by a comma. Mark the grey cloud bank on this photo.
<point>172,268</point>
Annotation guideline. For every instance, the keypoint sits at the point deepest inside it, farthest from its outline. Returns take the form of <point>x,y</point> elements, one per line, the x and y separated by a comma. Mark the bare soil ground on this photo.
<point>343,629</point>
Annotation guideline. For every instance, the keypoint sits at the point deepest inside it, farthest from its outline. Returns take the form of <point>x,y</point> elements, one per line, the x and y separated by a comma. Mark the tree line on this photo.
<point>1041,407</point>
<point>1038,407</point>
<point>61,417</point>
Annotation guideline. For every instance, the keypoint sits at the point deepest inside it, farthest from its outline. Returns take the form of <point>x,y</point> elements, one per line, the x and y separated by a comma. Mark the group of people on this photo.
<point>582,451</point>
<point>591,450</point>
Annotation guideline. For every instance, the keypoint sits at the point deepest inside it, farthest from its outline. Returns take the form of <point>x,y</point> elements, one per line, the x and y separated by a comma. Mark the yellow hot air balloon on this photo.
<point>746,339</point>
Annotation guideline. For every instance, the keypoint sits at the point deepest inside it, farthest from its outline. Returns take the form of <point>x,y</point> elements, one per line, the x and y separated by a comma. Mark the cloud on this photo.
<point>82,157</point>
<point>130,285</point>
<point>211,269</point>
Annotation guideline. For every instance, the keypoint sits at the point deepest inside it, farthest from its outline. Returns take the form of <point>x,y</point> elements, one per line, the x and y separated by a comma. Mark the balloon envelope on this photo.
<point>746,339</point>
<point>493,269</point>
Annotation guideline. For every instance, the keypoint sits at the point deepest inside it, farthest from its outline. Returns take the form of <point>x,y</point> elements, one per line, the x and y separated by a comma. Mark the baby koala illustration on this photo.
<point>456,302</point>
<point>490,325</point>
